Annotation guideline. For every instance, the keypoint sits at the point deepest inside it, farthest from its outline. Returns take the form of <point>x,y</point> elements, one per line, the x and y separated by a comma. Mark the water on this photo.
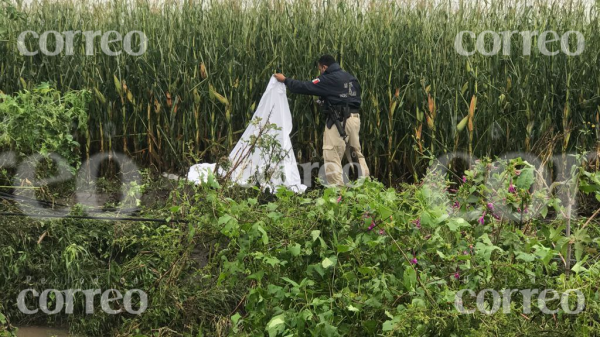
<point>33,331</point>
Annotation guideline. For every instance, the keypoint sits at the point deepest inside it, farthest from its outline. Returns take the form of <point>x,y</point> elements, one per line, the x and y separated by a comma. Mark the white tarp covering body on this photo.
<point>199,173</point>
<point>272,163</point>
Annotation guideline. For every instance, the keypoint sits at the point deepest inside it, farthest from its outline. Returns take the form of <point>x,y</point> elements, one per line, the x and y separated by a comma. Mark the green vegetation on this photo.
<point>41,122</point>
<point>354,262</point>
<point>381,259</point>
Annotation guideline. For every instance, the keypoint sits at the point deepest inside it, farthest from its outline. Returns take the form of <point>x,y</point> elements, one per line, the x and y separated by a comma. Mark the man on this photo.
<point>341,90</point>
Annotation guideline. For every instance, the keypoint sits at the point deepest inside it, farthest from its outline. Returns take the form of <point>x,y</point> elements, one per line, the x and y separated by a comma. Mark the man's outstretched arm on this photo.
<point>314,87</point>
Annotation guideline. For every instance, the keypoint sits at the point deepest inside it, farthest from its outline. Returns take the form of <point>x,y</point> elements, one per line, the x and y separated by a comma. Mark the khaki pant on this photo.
<point>334,149</point>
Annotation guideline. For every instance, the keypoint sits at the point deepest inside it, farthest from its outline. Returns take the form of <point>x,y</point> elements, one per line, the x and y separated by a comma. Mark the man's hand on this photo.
<point>280,77</point>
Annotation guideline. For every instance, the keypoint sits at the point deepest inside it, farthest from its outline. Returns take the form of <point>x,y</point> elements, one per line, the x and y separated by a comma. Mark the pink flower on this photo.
<point>456,275</point>
<point>490,206</point>
<point>497,217</point>
<point>464,179</point>
<point>381,232</point>
<point>511,188</point>
<point>518,172</point>
<point>418,223</point>
<point>413,261</point>
<point>465,252</point>
<point>339,199</point>
<point>481,219</point>
<point>372,225</point>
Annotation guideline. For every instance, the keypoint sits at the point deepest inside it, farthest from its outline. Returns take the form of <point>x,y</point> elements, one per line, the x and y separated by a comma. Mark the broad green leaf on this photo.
<point>344,248</point>
<point>426,220</point>
<point>525,257</point>
<point>384,212</point>
<point>257,276</point>
<point>265,237</point>
<point>272,261</point>
<point>578,267</point>
<point>276,325</point>
<point>438,220</point>
<point>318,268</point>
<point>235,318</point>
<point>455,223</point>
<point>544,211</point>
<point>352,308</point>
<point>410,279</point>
<point>291,282</point>
<point>315,234</point>
<point>545,253</point>
<point>417,302</point>
<point>329,261</point>
<point>387,326</point>
<point>525,179</point>
<point>485,247</point>
<point>295,249</point>
<point>224,219</point>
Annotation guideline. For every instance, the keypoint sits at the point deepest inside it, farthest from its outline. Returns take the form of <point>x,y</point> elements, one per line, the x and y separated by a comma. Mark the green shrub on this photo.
<point>43,121</point>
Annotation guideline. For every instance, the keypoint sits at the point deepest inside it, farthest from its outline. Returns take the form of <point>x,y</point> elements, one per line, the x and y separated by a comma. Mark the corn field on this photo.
<point>191,94</point>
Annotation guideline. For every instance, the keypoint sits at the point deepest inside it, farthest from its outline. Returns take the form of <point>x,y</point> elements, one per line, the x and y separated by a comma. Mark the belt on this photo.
<point>352,110</point>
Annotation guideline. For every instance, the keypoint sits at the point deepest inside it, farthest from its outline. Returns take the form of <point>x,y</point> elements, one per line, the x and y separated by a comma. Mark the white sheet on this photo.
<point>273,108</point>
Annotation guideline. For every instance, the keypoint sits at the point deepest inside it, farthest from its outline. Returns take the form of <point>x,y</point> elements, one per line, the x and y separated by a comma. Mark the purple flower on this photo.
<point>418,223</point>
<point>511,188</point>
<point>465,252</point>
<point>381,232</point>
<point>525,211</point>
<point>372,225</point>
<point>456,275</point>
<point>464,179</point>
<point>490,206</point>
<point>496,216</point>
<point>481,219</point>
<point>456,205</point>
<point>413,261</point>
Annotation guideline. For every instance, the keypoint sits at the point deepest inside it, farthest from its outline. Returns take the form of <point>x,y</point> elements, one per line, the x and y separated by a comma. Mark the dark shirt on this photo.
<point>334,85</point>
